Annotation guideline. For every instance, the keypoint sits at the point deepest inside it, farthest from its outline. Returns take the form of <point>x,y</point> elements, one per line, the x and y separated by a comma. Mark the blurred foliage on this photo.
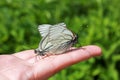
<point>96,22</point>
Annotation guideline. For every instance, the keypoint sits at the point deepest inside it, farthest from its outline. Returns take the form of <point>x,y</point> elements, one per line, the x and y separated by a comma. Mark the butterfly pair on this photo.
<point>56,39</point>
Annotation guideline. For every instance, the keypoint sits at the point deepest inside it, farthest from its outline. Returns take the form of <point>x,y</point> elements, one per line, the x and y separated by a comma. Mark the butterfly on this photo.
<point>56,39</point>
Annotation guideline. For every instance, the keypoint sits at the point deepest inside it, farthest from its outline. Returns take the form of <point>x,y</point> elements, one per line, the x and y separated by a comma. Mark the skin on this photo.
<point>26,65</point>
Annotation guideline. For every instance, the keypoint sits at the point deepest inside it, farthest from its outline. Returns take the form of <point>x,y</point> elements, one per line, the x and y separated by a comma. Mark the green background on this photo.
<point>97,22</point>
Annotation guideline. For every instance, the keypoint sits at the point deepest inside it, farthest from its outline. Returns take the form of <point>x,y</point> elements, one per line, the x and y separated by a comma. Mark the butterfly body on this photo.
<point>56,39</point>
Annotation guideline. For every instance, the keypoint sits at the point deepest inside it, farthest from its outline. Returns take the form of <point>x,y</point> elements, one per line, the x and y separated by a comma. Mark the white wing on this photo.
<point>59,31</point>
<point>58,39</point>
<point>44,29</point>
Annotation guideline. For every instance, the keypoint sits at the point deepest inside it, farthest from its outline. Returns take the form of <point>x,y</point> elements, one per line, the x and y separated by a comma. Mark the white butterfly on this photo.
<point>56,39</point>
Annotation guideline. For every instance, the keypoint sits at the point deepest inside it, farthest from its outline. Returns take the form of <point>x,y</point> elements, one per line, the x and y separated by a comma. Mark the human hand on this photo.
<point>23,65</point>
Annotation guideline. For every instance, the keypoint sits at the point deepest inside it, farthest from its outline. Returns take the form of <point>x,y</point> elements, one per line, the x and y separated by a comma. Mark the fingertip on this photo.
<point>93,50</point>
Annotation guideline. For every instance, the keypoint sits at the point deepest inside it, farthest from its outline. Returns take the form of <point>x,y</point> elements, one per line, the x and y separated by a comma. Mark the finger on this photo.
<point>28,54</point>
<point>38,57</point>
<point>25,54</point>
<point>53,64</point>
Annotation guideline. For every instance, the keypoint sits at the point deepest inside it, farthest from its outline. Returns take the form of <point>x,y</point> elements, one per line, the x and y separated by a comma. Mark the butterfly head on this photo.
<point>38,52</point>
<point>75,39</point>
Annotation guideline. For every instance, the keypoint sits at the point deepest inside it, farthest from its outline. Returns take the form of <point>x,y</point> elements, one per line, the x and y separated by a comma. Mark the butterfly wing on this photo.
<point>44,29</point>
<point>58,30</point>
<point>51,29</point>
<point>58,39</point>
